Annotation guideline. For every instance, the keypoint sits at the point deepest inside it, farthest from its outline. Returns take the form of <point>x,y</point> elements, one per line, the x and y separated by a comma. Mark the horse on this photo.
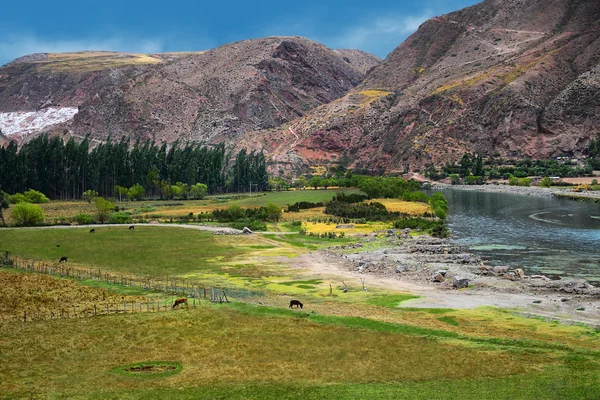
<point>92,231</point>
<point>295,303</point>
<point>62,259</point>
<point>182,300</point>
<point>131,227</point>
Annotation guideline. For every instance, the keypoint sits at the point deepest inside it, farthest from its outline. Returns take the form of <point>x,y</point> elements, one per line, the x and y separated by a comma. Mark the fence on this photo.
<point>170,285</point>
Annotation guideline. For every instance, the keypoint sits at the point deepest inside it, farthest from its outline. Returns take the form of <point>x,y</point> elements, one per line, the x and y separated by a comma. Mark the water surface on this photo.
<point>554,237</point>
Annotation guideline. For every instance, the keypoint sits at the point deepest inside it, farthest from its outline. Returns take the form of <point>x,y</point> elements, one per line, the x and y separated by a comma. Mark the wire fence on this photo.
<point>192,292</point>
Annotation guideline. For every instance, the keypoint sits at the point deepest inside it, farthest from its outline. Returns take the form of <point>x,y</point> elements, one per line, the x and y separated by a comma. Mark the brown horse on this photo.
<point>182,300</point>
<point>295,303</point>
<point>132,227</point>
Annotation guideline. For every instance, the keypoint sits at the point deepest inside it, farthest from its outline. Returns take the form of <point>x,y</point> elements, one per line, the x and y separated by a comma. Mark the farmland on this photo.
<point>351,343</point>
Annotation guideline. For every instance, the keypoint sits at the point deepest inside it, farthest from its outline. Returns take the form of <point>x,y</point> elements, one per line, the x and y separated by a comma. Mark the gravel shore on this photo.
<point>521,190</point>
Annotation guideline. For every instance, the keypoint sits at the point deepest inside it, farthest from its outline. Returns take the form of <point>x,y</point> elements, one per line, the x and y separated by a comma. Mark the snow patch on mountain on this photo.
<point>26,122</point>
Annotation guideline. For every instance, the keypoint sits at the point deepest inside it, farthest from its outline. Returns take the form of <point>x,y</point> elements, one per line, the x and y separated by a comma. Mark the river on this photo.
<point>546,236</point>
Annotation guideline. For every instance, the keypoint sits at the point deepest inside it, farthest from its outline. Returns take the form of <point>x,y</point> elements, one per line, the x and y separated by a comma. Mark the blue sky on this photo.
<point>376,26</point>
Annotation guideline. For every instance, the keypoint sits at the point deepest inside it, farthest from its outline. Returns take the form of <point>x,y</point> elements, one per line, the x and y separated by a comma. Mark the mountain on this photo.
<point>516,78</point>
<point>212,96</point>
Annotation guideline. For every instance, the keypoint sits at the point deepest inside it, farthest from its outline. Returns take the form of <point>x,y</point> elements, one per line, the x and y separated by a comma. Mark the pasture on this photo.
<point>340,345</point>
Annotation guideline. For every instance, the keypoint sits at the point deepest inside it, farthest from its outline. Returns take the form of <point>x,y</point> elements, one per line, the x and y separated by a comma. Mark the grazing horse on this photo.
<point>295,303</point>
<point>92,231</point>
<point>62,259</point>
<point>132,227</point>
<point>182,300</point>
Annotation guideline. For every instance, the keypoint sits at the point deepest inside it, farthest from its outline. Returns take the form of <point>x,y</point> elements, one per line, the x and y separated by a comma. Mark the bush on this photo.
<point>546,182</point>
<point>18,198</point>
<point>25,214</point>
<point>595,182</point>
<point>84,219</point>
<point>119,218</point>
<point>454,179</point>
<point>370,211</point>
<point>514,181</point>
<point>302,205</point>
<point>348,198</point>
<point>435,227</point>
<point>36,197</point>
<point>254,225</point>
<point>104,208</point>
<point>439,204</point>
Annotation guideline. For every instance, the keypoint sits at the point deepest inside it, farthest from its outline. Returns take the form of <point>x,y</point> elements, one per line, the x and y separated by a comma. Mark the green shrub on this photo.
<point>514,181</point>
<point>25,214</point>
<point>546,182</point>
<point>454,179</point>
<point>434,227</point>
<point>18,198</point>
<point>104,208</point>
<point>439,204</point>
<point>119,218</point>
<point>254,225</point>
<point>36,197</point>
<point>595,182</point>
<point>84,219</point>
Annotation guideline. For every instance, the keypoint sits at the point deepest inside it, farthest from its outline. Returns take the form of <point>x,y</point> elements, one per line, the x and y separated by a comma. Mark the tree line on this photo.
<point>65,170</point>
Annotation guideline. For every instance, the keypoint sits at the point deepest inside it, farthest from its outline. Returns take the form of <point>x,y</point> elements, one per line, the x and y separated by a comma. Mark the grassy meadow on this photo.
<point>359,344</point>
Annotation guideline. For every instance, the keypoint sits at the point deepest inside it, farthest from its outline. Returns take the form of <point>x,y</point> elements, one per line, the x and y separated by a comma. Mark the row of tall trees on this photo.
<point>64,170</point>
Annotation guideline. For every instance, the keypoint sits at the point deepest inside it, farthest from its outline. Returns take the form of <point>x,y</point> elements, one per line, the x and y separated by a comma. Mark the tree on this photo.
<point>89,196</point>
<point>136,192</point>
<point>465,165</point>
<point>273,212</point>
<point>316,181</point>
<point>121,192</point>
<point>198,191</point>
<point>300,182</point>
<point>104,208</point>
<point>25,214</point>
<point>4,204</point>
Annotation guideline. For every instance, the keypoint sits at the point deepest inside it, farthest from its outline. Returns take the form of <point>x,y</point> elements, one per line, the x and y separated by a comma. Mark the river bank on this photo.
<point>525,191</point>
<point>430,267</point>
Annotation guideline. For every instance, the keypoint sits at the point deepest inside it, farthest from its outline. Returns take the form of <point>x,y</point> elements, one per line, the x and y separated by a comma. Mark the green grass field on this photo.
<point>245,352</point>
<point>353,345</point>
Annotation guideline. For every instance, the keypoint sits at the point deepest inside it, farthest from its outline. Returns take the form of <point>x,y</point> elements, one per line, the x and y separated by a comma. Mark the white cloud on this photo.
<point>15,46</point>
<point>378,35</point>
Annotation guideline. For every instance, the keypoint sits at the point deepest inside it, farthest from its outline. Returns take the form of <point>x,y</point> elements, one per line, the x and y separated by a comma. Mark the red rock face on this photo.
<point>519,78</point>
<point>210,97</point>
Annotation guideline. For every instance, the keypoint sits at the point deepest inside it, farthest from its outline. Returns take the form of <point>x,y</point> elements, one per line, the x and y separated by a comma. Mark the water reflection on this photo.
<point>542,235</point>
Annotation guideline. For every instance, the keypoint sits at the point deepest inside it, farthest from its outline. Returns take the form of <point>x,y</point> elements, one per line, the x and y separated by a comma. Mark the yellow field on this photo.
<point>322,227</point>
<point>407,207</point>
<point>43,294</point>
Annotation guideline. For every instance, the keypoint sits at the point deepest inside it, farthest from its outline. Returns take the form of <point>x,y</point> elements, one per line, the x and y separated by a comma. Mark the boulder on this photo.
<point>442,272</point>
<point>460,283</point>
<point>500,270</point>
<point>520,273</point>
<point>345,226</point>
<point>247,230</point>
<point>401,268</point>
<point>437,278</point>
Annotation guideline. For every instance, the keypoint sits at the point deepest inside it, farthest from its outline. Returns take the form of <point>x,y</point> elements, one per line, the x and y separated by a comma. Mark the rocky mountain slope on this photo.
<point>519,78</point>
<point>212,96</point>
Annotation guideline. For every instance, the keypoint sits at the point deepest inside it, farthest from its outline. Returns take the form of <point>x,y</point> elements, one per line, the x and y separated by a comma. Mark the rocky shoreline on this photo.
<point>423,259</point>
<point>521,190</point>
<point>446,275</point>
